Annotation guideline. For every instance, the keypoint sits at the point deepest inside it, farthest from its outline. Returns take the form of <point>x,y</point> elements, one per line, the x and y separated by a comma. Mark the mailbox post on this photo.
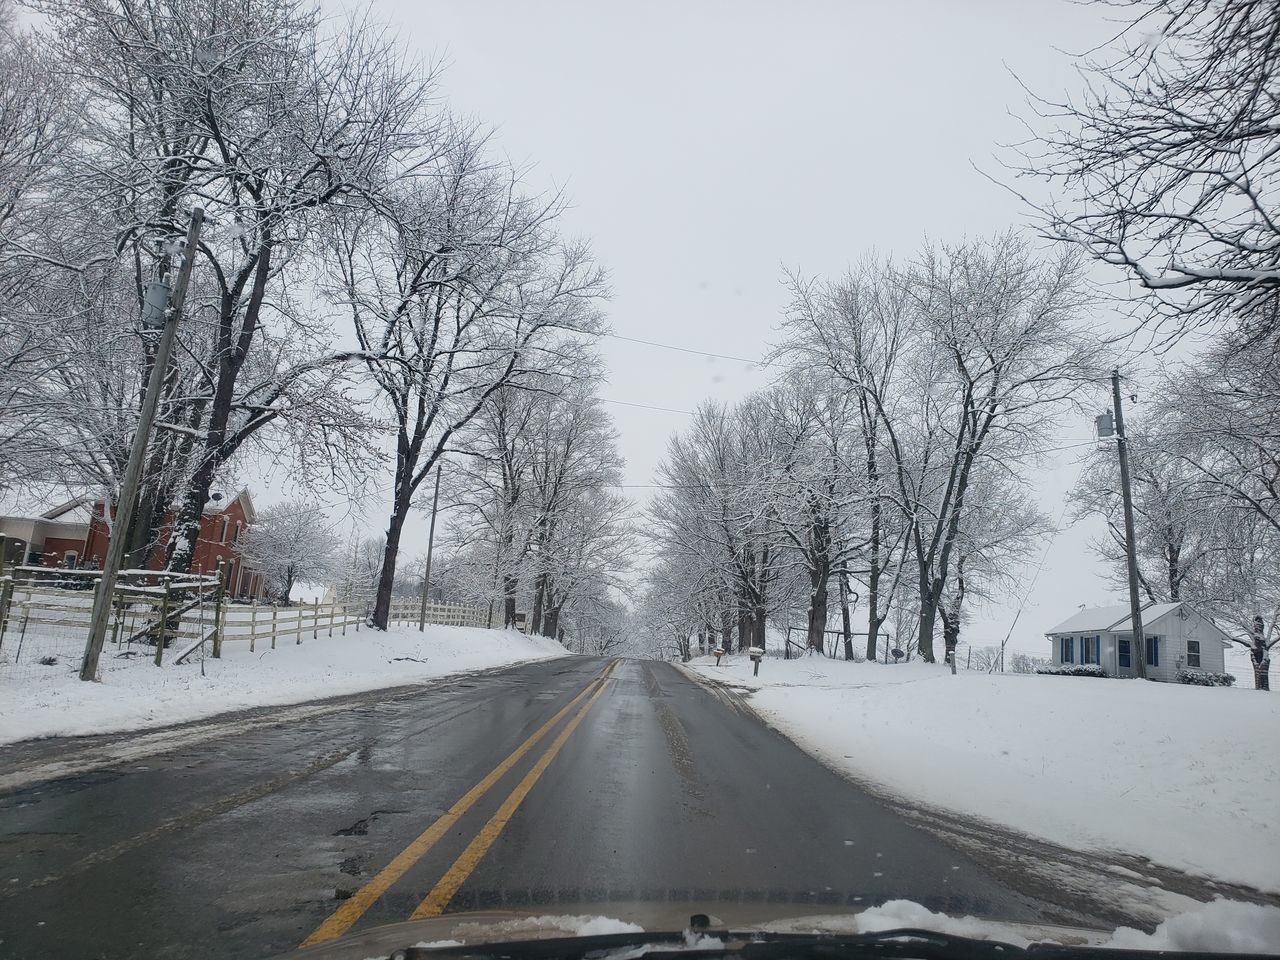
<point>756,654</point>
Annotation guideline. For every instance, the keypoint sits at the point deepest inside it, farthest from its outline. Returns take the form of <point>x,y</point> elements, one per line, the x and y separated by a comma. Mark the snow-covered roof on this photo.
<point>1117,619</point>
<point>223,501</point>
<point>1150,614</point>
<point>1092,618</point>
<point>78,508</point>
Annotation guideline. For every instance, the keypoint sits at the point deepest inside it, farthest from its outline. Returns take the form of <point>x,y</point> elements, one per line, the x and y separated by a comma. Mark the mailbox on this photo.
<point>719,652</point>
<point>756,654</point>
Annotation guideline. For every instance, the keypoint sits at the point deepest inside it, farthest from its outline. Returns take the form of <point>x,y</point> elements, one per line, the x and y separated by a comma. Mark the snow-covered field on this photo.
<point>1183,775</point>
<point>56,702</point>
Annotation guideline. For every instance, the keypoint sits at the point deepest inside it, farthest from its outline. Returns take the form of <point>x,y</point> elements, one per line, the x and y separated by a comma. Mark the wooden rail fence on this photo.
<point>188,619</point>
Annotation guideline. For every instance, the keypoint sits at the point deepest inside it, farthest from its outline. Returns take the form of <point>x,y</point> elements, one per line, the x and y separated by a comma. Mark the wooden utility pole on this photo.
<point>167,313</point>
<point>431,540</point>
<point>1137,646</point>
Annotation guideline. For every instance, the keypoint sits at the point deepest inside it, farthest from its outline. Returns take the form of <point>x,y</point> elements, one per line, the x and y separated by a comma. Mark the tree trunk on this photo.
<point>186,524</point>
<point>509,586</point>
<point>387,576</point>
<point>817,607</point>
<point>846,624</point>
<point>551,621</point>
<point>726,630</point>
<point>682,645</point>
<point>233,346</point>
<point>539,596</point>
<point>1258,654</point>
<point>928,618</point>
<point>950,634</point>
<point>874,545</point>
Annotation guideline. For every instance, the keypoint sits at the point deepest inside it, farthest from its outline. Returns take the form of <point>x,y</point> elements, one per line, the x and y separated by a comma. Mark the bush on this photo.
<point>1074,670</point>
<point>1205,678</point>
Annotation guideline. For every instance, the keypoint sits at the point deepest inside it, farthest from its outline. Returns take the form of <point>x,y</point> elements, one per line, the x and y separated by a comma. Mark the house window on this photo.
<point>1126,654</point>
<point>1193,653</point>
<point>1068,650</point>
<point>236,536</point>
<point>222,538</point>
<point>1089,649</point>
<point>69,559</point>
<point>1153,651</point>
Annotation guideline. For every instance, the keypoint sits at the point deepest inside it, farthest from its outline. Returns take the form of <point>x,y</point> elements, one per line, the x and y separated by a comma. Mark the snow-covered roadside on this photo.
<point>1183,775</point>
<point>140,695</point>
<point>1219,926</point>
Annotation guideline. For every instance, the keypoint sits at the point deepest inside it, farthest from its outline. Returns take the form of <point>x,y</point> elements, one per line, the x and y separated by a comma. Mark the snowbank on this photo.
<point>1222,926</point>
<point>141,695</point>
<point>1183,775</point>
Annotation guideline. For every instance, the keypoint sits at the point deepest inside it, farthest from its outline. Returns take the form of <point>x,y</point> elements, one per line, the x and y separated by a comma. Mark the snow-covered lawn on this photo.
<point>1185,776</point>
<point>54,701</point>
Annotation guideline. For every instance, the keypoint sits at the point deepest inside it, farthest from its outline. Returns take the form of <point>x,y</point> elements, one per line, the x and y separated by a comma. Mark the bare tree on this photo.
<point>34,123</point>
<point>1000,530</point>
<point>1220,420</point>
<point>955,361</point>
<point>1245,589</point>
<point>1167,166</point>
<point>461,289</point>
<point>291,542</point>
<point>1177,523</point>
<point>853,330</point>
<point>265,116</point>
<point>714,516</point>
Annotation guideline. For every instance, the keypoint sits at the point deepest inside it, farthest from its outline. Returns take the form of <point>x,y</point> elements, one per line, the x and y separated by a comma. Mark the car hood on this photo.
<point>590,919</point>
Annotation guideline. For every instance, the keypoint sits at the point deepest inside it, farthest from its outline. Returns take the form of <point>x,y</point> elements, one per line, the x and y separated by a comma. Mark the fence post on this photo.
<point>332,609</point>
<point>219,595</point>
<point>297,633</point>
<point>6,601</point>
<point>164,622</point>
<point>315,620</point>
<point>274,608</point>
<point>22,634</point>
<point>118,607</point>
<point>344,617</point>
<point>253,626</point>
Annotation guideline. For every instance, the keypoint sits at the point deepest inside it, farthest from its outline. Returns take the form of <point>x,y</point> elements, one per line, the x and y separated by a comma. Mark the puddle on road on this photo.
<point>361,827</point>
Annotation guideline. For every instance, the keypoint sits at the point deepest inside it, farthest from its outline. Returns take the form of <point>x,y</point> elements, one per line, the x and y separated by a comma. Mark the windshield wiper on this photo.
<point>904,944</point>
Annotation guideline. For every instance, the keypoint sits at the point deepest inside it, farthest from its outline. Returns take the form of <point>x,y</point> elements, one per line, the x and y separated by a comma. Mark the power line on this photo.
<point>646,406</point>
<point>700,353</point>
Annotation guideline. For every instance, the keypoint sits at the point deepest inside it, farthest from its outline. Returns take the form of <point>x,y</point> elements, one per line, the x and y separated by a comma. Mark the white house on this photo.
<point>1176,637</point>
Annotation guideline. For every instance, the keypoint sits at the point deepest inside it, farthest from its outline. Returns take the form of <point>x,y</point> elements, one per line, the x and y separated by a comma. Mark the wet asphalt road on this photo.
<point>242,842</point>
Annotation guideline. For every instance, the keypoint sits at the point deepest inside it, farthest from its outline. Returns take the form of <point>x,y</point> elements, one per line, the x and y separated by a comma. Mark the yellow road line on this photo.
<point>470,858</point>
<point>354,908</point>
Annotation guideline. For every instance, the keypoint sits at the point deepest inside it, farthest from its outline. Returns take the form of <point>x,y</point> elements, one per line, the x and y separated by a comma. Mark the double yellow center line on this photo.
<point>435,902</point>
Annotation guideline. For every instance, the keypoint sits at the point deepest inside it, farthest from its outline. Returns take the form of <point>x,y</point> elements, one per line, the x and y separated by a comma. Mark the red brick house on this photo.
<point>74,534</point>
